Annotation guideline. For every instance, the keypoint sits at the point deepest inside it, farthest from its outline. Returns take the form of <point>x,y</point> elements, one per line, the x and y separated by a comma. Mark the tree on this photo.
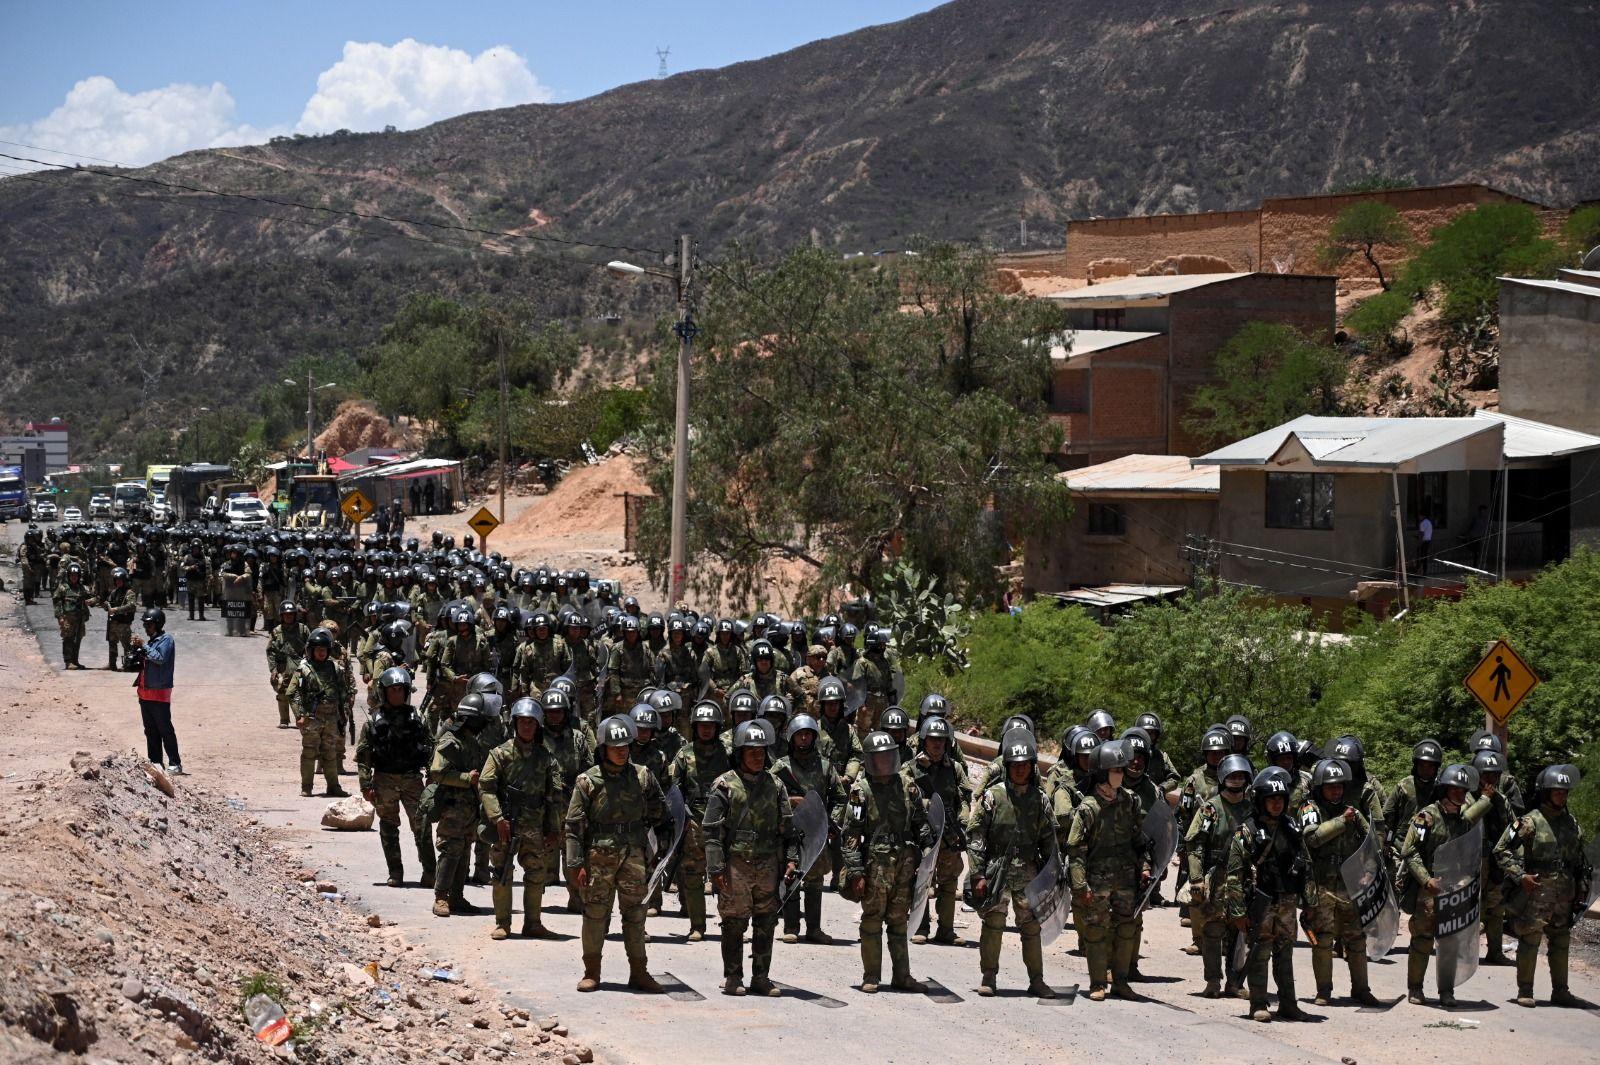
<point>1581,231</point>
<point>1468,254</point>
<point>845,414</point>
<point>1365,226</point>
<point>1267,374</point>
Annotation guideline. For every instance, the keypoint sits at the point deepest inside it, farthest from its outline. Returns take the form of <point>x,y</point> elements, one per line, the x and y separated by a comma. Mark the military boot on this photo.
<point>791,919</point>
<point>1417,971</point>
<point>1122,954</point>
<point>814,932</point>
<point>389,839</point>
<point>761,936</point>
<point>733,955</point>
<point>1322,974</point>
<point>900,961</point>
<point>694,903</point>
<point>871,958</point>
<point>591,973</point>
<point>639,977</point>
<point>533,912</point>
<point>112,665</point>
<point>1560,993</point>
<point>1494,940</point>
<point>1095,954</point>
<point>1527,969</point>
<point>1283,976</point>
<point>1360,988</point>
<point>501,893</point>
<point>922,929</point>
<point>1033,961</point>
<point>946,933</point>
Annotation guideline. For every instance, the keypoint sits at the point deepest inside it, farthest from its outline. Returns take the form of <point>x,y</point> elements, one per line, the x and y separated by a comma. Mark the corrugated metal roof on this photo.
<point>1572,287</point>
<point>1141,288</point>
<point>1084,341</point>
<point>1144,473</point>
<point>390,469</point>
<point>1528,439</point>
<point>1377,442</point>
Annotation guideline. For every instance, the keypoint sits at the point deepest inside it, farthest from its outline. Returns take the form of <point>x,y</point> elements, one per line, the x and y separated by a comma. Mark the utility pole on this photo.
<point>686,330</point>
<point>309,409</point>
<point>500,334</point>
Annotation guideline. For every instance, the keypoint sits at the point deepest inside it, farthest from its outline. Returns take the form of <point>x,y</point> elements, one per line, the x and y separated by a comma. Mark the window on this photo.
<point>1107,520</point>
<point>1110,319</point>
<point>1299,500</point>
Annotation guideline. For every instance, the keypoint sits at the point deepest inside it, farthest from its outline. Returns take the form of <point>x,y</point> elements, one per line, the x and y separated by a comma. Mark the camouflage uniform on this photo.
<point>1263,885</point>
<point>320,693</point>
<point>31,558</point>
<point>749,838</point>
<point>885,832</point>
<point>1193,793</point>
<point>1330,840</point>
<point>611,809</point>
<point>1206,851</point>
<point>805,681</point>
<point>873,673</point>
<point>1546,843</point>
<point>678,667</point>
<point>522,784</point>
<point>772,682</point>
<point>1428,830</point>
<point>457,756</point>
<point>121,604</point>
<point>72,603</point>
<point>946,778</point>
<point>578,659</point>
<point>1108,863</point>
<point>1009,836</point>
<point>799,773</point>
<point>629,668</point>
<point>536,665</point>
<point>391,754</point>
<point>697,766</point>
<point>722,666</point>
<point>572,749</point>
<point>464,657</point>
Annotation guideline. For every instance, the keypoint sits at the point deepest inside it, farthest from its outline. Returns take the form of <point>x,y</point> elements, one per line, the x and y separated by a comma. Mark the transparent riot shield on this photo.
<point>680,818</point>
<point>1047,898</point>
<point>1458,907</point>
<point>1161,828</point>
<point>930,858</point>
<point>1367,882</point>
<point>811,821</point>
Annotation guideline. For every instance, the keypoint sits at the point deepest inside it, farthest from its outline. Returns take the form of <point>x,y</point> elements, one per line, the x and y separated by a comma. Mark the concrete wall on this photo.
<point>1293,563</point>
<point>1150,553</point>
<point>1550,356</point>
<point>1230,235</point>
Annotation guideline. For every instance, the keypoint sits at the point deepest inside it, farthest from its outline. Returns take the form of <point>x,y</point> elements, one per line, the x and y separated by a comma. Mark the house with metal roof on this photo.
<point>1317,507</point>
<point>1135,348</point>
<point>1550,349</point>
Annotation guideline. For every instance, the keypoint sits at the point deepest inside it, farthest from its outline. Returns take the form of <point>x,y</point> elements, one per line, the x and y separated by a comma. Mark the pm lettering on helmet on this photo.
<point>1019,750</point>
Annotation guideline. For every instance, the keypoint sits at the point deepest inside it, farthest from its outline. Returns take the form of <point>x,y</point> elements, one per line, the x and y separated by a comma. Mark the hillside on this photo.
<point>944,124</point>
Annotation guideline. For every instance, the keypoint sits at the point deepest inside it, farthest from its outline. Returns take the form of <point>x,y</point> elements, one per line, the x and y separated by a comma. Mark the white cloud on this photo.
<point>410,84</point>
<point>99,119</point>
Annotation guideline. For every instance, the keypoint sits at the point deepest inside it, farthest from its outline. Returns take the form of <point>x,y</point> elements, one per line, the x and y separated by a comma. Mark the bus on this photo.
<point>128,499</point>
<point>13,494</point>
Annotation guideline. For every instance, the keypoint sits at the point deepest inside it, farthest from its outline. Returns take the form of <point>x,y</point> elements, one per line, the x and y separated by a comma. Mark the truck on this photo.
<point>13,494</point>
<point>128,500</point>
<point>155,483</point>
<point>188,488</point>
<point>314,501</point>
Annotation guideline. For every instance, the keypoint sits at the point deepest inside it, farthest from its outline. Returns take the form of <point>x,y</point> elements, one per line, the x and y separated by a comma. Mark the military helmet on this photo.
<point>1238,725</point>
<point>287,607</point>
<point>1457,775</point>
<point>800,723</point>
<point>505,613</point>
<point>1349,748</point>
<point>1100,719</point>
<point>1273,781</point>
<point>1330,771</point>
<point>666,701</point>
<point>617,731</point>
<point>1085,743</point>
<point>742,701</point>
<point>1556,778</point>
<point>395,675</point>
<point>775,705</point>
<point>1484,740</point>
<point>1428,751</point>
<point>473,705</point>
<point>1215,740</point>
<point>1018,745</point>
<point>1307,753</point>
<point>461,616</point>
<point>881,753</point>
<point>706,711</point>
<point>830,689</point>
<point>762,651</point>
<point>1017,721</point>
<point>526,707</point>
<point>320,638</point>
<point>933,705</point>
<point>541,619</point>
<point>935,728</point>
<point>750,734</point>
<point>893,718</point>
<point>119,574</point>
<point>556,699</point>
<point>396,633</point>
<point>1280,743</point>
<point>1151,723</point>
<point>1488,762</point>
<point>1109,755</point>
<point>645,716</point>
<point>1136,741</point>
<point>630,624</point>
<point>1235,763</point>
<point>486,683</point>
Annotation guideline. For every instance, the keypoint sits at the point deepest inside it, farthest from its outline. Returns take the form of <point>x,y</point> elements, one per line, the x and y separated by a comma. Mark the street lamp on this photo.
<point>310,411</point>
<point>686,330</point>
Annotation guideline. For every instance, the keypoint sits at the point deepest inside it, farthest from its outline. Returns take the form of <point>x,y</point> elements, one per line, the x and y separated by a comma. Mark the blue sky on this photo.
<point>94,77</point>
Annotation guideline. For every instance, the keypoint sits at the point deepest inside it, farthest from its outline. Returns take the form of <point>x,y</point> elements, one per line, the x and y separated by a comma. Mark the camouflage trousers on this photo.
<point>1333,920</point>
<point>1215,935</point>
<point>33,578</point>
<point>891,883</point>
<point>396,791</point>
<point>994,923</point>
<point>1546,914</point>
<point>692,874</point>
<point>455,830</point>
<point>319,742</point>
<point>617,878</point>
<point>751,898</point>
<point>119,634</point>
<point>1108,926</point>
<point>1273,939</point>
<point>280,688</point>
<point>946,889</point>
<point>71,639</point>
<point>527,849</point>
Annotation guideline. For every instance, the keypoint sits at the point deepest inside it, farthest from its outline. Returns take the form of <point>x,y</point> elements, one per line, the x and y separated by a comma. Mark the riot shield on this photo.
<point>1458,907</point>
<point>680,818</point>
<point>924,881</point>
<point>1161,828</point>
<point>1047,898</point>
<point>1367,882</point>
<point>811,821</point>
<point>600,684</point>
<point>856,698</point>
<point>898,680</point>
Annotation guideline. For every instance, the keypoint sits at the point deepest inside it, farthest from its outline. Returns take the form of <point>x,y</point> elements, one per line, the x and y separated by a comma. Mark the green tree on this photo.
<point>843,416</point>
<point>1468,254</point>
<point>1265,375</point>
<point>1581,231</point>
<point>1378,317</point>
<point>1364,227</point>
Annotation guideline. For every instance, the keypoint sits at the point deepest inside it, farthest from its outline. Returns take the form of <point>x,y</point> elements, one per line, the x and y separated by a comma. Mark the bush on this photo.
<point>1377,317</point>
<point>1472,251</point>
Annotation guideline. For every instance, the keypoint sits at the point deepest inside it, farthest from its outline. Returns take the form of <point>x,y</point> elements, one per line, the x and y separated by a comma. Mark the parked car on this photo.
<point>99,506</point>
<point>45,510</point>
<point>72,514</point>
<point>159,511</point>
<point>246,512</point>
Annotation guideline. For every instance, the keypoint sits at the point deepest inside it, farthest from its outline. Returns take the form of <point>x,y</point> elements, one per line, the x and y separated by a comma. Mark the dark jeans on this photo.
<point>158,731</point>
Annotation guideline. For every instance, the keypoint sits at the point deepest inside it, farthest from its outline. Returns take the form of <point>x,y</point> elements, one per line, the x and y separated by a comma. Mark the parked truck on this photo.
<point>13,493</point>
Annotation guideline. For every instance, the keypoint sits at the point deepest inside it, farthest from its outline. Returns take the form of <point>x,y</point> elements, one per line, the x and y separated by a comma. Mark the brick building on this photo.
<point>1141,345</point>
<point>1282,234</point>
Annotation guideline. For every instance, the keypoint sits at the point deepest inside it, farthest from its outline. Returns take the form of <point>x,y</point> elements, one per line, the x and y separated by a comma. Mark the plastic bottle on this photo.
<point>267,1020</point>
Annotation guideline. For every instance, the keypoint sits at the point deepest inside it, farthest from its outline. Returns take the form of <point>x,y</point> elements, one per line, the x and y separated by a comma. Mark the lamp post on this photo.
<point>310,410</point>
<point>686,331</point>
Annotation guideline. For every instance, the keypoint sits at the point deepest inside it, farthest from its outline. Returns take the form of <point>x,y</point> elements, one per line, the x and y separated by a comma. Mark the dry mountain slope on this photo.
<point>945,124</point>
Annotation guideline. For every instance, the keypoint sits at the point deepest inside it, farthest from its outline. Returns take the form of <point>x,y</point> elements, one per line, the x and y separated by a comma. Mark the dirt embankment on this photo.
<point>133,919</point>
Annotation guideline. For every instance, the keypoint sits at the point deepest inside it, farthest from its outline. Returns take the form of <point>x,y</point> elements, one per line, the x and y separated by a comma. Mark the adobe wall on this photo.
<point>1229,235</point>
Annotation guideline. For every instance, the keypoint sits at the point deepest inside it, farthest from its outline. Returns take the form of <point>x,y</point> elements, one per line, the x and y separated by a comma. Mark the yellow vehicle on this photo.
<point>314,501</point>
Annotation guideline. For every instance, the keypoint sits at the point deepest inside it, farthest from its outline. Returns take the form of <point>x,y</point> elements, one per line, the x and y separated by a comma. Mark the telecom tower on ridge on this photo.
<point>661,54</point>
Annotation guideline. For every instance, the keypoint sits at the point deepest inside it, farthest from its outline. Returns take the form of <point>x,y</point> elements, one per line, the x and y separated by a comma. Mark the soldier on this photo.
<point>842,654</point>
<point>1160,769</point>
<point>650,752</point>
<point>677,665</point>
<point>1282,750</point>
<point>808,676</point>
<point>195,572</point>
<point>1197,788</point>
<point>503,645</point>
<point>537,661</point>
<point>32,558</point>
<point>723,664</point>
<point>1108,866</point>
<point>320,694</point>
<point>668,705</point>
<point>872,674</point>
<point>285,647</point>
<point>1008,831</point>
<point>120,605</point>
<point>1414,792</point>
<point>808,767</point>
<point>465,655</point>
<point>1491,771</point>
<point>572,747</point>
<point>844,741</point>
<point>1266,876</point>
<point>1206,848</point>
<point>520,790</point>
<point>629,667</point>
<point>1365,788</point>
<point>885,832</point>
<point>1137,780</point>
<point>389,653</point>
<point>1449,817</point>
<point>698,765</point>
<point>72,602</point>
<point>458,758</point>
<point>937,770</point>
<point>391,756</point>
<point>613,805</point>
<point>765,678</point>
<point>750,849</point>
<point>1333,830</point>
<point>1542,855</point>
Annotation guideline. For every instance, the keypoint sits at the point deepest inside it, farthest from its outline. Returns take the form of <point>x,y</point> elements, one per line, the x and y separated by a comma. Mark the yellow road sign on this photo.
<point>1501,681</point>
<point>356,506</point>
<point>483,522</point>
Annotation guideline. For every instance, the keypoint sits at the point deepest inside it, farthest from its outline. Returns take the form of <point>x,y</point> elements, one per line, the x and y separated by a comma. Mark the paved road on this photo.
<point>227,725</point>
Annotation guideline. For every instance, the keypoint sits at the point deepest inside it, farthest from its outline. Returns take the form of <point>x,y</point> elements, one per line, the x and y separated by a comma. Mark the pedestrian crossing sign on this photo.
<point>1501,681</point>
<point>356,506</point>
